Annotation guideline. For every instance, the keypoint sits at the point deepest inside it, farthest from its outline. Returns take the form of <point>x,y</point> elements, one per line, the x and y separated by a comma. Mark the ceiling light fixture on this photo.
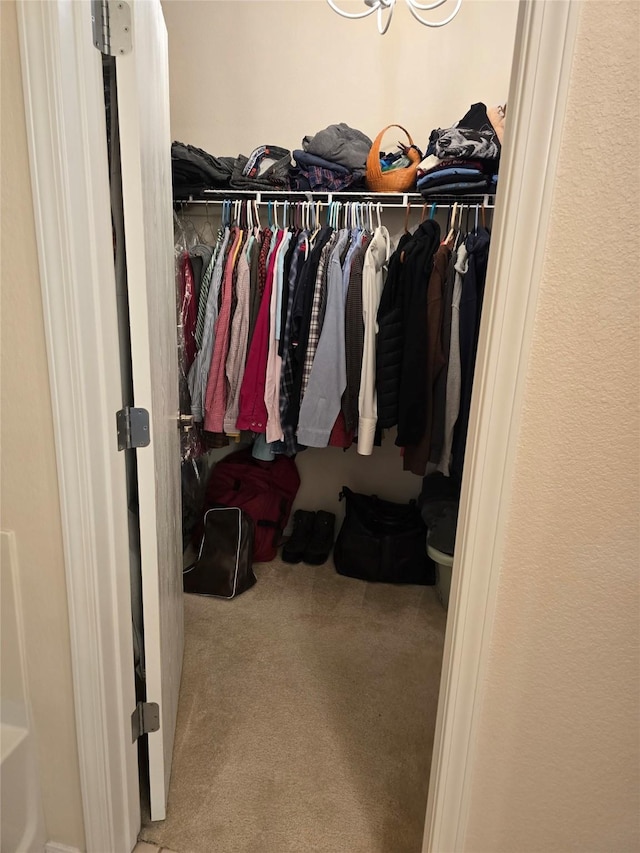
<point>385,8</point>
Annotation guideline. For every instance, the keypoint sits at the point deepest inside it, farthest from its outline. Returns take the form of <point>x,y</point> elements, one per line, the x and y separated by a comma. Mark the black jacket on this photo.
<point>303,302</point>
<point>416,272</point>
<point>389,341</point>
<point>477,244</point>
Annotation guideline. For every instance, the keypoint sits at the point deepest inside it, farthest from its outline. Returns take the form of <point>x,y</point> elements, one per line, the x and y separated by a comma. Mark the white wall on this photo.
<point>249,72</point>
<point>30,505</point>
<point>558,764</point>
<point>271,71</point>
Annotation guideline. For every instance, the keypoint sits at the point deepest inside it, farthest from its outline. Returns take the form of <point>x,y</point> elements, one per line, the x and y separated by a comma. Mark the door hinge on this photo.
<point>145,719</point>
<point>133,428</point>
<point>111,20</point>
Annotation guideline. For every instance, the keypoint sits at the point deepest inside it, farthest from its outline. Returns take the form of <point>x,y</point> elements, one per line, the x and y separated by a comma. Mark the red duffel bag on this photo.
<point>264,490</point>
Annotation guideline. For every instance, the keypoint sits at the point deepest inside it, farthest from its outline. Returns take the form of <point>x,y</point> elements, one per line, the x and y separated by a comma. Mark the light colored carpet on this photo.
<point>306,719</point>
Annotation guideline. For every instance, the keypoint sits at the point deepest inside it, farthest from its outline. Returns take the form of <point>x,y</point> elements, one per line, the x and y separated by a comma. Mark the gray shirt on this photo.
<point>328,379</point>
<point>199,372</point>
<point>454,375</point>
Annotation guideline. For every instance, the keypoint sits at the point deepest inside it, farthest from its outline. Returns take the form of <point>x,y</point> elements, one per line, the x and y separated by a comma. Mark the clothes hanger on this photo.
<point>452,231</point>
<point>317,222</point>
<point>406,217</point>
<point>181,237</point>
<point>378,214</point>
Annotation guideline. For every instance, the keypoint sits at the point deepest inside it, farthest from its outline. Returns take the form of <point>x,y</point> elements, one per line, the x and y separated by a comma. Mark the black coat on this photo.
<point>477,244</point>
<point>389,341</point>
<point>416,272</point>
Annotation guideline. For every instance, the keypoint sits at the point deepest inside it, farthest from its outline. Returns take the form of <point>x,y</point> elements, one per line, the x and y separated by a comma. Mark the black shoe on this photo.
<point>303,524</point>
<point>321,542</point>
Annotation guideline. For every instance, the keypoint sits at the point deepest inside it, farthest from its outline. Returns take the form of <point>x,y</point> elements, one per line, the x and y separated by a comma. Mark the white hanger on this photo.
<point>452,230</point>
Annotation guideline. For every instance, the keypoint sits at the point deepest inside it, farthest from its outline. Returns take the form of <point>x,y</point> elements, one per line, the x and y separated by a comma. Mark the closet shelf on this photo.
<point>384,199</point>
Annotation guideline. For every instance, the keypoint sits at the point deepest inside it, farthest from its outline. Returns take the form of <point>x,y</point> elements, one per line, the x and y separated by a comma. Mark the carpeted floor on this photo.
<point>306,719</point>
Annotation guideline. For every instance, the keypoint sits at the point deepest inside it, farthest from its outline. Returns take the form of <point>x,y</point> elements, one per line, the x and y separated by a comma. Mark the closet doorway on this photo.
<point>360,663</point>
<point>101,663</point>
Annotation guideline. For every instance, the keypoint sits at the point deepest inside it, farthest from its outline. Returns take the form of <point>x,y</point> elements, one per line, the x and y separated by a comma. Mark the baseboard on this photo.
<point>55,847</point>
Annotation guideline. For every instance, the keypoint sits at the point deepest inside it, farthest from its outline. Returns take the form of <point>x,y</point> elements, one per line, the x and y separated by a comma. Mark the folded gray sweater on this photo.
<point>340,144</point>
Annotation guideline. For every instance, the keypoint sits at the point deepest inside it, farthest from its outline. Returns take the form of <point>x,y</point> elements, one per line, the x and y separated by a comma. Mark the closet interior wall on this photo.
<point>279,70</point>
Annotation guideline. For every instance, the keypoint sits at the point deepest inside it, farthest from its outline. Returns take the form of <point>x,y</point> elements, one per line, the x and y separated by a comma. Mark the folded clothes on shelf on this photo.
<point>341,144</point>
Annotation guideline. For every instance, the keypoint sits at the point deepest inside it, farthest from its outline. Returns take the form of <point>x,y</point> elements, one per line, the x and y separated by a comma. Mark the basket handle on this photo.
<point>378,139</point>
<point>373,160</point>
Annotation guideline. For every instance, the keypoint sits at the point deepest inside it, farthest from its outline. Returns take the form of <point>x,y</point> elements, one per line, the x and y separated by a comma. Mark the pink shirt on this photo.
<point>216,396</point>
<point>238,344</point>
<point>274,361</point>
<point>253,411</point>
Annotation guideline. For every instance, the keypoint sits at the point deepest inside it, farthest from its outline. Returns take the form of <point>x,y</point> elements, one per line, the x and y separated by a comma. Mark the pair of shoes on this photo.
<point>312,538</point>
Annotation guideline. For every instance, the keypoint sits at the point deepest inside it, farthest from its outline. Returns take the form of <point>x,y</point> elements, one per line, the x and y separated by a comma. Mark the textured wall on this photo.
<point>29,493</point>
<point>557,765</point>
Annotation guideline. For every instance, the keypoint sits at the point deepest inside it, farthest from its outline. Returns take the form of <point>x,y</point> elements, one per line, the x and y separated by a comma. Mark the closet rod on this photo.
<point>386,200</point>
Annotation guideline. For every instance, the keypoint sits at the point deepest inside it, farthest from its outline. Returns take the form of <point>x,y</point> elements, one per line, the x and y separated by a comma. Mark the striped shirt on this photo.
<point>317,312</point>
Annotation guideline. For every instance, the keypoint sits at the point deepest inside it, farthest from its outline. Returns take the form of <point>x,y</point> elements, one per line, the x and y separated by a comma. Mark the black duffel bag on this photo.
<point>224,566</point>
<point>382,541</point>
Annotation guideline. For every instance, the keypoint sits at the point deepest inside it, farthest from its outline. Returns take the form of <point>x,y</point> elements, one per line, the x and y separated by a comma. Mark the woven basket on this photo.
<point>395,180</point>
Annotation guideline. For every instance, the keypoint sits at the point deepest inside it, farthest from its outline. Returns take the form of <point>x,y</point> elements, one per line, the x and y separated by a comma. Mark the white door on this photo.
<point>143,106</point>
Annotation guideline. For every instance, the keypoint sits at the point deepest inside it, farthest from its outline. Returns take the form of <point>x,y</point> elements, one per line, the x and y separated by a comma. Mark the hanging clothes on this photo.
<point>318,306</point>
<point>274,361</point>
<point>188,310</point>
<point>203,294</point>
<point>373,274</point>
<point>477,244</point>
<point>452,400</point>
<point>199,373</point>
<point>440,385</point>
<point>354,336</point>
<point>417,455</point>
<point>238,339</point>
<point>300,320</point>
<point>252,412</point>
<point>413,393</point>
<point>327,379</point>
<point>216,396</point>
<point>390,340</point>
<point>319,337</point>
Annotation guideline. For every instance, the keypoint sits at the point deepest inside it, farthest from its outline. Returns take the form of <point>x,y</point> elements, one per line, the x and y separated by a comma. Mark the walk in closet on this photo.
<point>307,705</point>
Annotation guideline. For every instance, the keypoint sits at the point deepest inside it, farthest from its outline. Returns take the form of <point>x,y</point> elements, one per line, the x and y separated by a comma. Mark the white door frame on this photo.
<point>61,71</point>
<point>71,202</point>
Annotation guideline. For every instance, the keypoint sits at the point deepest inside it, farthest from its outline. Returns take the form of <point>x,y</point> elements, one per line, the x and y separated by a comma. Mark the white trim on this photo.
<point>54,847</point>
<point>65,117</point>
<point>536,108</point>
